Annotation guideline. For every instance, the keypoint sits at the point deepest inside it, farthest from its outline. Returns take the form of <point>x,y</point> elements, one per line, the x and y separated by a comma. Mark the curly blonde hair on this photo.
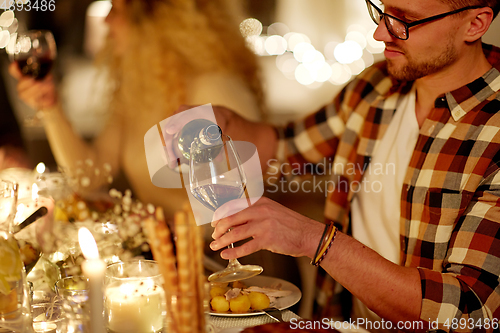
<point>171,42</point>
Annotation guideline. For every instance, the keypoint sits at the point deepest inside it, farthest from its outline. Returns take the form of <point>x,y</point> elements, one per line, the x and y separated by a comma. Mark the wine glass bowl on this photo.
<point>34,52</point>
<point>216,177</point>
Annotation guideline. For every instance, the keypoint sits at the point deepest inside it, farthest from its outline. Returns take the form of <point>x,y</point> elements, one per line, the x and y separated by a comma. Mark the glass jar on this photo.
<point>134,297</point>
<point>15,308</point>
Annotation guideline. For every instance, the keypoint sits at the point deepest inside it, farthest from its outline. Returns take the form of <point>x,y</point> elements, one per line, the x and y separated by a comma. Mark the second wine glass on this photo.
<point>34,51</point>
<point>216,177</point>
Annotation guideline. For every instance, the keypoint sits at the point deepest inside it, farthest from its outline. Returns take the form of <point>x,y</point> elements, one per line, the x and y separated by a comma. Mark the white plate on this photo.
<point>267,281</point>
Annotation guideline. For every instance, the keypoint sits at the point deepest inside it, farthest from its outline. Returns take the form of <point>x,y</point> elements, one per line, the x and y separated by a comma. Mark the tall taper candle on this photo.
<point>94,269</point>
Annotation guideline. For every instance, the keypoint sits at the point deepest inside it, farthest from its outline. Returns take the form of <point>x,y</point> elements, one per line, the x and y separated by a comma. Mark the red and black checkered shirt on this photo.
<point>450,202</point>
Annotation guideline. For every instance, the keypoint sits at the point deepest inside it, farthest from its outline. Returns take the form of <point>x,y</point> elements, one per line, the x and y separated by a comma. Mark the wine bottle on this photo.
<point>197,134</point>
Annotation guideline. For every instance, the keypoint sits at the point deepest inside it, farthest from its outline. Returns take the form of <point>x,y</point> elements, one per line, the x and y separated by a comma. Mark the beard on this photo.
<point>415,69</point>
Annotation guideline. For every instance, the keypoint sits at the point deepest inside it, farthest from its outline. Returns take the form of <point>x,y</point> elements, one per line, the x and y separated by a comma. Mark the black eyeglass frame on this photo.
<point>406,25</point>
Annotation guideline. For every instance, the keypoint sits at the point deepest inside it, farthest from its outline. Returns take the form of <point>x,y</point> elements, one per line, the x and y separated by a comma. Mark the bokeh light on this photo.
<point>7,18</point>
<point>294,38</point>
<point>303,75</point>
<point>275,45</point>
<point>347,52</point>
<point>4,38</point>
<point>278,28</point>
<point>297,59</point>
<point>340,74</point>
<point>99,8</point>
<point>300,49</point>
<point>250,27</point>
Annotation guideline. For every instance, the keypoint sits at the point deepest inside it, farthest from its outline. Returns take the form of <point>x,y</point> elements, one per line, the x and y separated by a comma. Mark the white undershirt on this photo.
<point>376,208</point>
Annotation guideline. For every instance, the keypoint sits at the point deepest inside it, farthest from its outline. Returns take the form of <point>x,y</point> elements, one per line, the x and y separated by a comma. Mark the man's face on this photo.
<point>430,47</point>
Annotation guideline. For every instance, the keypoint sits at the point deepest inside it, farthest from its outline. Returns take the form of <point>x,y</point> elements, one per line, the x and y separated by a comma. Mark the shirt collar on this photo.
<point>466,98</point>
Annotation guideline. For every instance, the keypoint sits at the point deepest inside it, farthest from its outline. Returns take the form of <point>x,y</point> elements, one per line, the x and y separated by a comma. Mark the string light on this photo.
<point>8,28</point>
<point>298,60</point>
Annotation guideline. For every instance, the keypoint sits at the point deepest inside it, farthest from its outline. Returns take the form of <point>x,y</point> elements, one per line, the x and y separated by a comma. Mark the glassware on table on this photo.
<point>49,317</point>
<point>15,308</point>
<point>74,294</point>
<point>34,52</point>
<point>134,300</point>
<point>216,177</point>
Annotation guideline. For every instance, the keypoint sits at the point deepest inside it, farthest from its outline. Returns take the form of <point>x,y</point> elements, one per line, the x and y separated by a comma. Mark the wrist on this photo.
<point>312,238</point>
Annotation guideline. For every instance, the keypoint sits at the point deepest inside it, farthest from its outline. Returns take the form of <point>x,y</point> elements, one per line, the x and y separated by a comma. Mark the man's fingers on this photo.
<point>249,247</point>
<point>234,235</point>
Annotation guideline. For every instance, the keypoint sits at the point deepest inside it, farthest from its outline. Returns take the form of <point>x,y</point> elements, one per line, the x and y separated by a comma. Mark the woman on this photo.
<point>159,55</point>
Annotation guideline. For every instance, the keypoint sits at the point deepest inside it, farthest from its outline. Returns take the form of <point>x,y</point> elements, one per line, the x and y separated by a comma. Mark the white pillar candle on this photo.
<point>134,306</point>
<point>94,269</point>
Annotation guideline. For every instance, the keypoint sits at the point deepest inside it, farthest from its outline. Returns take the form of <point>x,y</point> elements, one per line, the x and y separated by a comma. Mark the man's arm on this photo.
<point>390,290</point>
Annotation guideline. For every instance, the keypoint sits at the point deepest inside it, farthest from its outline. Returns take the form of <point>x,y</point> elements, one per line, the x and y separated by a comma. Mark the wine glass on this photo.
<point>216,177</point>
<point>34,51</point>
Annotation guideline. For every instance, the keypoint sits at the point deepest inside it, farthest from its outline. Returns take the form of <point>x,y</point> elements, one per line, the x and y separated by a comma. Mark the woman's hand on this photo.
<point>270,226</point>
<point>38,94</point>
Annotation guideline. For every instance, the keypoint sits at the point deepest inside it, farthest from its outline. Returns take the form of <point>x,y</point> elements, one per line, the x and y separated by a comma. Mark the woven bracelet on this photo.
<point>326,242</point>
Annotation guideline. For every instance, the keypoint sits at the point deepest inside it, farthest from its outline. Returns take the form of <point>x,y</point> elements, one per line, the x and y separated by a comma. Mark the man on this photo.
<point>430,110</point>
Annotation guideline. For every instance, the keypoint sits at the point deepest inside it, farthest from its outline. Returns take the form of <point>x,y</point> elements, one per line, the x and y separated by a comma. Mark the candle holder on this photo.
<point>134,297</point>
<point>74,294</point>
<point>49,317</point>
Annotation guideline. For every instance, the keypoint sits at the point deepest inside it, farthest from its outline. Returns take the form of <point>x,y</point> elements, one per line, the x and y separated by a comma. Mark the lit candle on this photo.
<point>134,306</point>
<point>43,327</point>
<point>94,269</point>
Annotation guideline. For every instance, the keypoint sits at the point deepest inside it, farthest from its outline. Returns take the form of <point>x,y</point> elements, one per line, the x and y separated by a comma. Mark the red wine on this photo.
<point>213,196</point>
<point>35,67</point>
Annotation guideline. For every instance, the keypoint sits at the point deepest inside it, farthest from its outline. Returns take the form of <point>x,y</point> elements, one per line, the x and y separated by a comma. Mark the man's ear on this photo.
<point>479,23</point>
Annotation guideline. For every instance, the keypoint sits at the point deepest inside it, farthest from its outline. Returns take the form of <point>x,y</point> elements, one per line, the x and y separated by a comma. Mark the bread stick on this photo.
<point>185,264</point>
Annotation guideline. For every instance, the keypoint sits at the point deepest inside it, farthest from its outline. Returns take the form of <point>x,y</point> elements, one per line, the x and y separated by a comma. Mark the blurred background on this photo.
<point>308,50</point>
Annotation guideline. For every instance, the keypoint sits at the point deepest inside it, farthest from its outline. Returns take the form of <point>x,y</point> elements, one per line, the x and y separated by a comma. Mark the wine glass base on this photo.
<point>232,274</point>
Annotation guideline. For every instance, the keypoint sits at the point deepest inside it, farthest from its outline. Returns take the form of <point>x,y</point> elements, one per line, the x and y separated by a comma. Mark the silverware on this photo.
<point>40,212</point>
<point>274,313</point>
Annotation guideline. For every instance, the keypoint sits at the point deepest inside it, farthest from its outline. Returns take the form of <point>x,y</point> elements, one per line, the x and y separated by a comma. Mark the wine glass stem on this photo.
<point>233,263</point>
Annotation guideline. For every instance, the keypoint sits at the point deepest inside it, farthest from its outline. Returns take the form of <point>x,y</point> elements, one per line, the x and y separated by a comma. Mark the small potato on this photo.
<point>240,304</point>
<point>219,304</point>
<point>217,291</point>
<point>239,284</point>
<point>258,301</point>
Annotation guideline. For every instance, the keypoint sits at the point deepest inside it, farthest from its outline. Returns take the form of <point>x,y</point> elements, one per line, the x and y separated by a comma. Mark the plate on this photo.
<point>282,303</point>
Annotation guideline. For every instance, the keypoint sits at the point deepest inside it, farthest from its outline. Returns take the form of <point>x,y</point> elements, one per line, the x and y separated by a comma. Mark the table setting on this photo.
<point>87,261</point>
<point>87,270</point>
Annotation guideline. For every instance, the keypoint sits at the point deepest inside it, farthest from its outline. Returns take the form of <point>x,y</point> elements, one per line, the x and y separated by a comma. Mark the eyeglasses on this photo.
<point>399,28</point>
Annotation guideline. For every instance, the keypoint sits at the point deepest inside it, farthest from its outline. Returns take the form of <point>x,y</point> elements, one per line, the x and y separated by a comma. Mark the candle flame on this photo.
<point>88,244</point>
<point>34,191</point>
<point>40,167</point>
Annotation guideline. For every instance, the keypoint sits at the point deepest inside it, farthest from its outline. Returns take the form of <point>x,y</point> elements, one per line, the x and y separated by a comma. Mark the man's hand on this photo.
<point>38,94</point>
<point>270,226</point>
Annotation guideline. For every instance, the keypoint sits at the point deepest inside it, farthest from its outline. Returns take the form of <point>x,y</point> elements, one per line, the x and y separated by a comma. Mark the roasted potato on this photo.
<point>219,304</point>
<point>240,304</point>
<point>258,301</point>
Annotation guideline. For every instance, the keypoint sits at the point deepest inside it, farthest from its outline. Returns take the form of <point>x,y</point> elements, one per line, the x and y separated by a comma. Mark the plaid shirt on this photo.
<point>450,202</point>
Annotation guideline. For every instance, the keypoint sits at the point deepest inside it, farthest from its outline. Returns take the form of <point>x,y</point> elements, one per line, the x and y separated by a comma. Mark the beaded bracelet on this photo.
<point>326,242</point>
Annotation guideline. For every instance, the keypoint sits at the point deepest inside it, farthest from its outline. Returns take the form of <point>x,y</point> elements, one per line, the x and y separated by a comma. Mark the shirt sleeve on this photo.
<point>465,296</point>
<point>305,143</point>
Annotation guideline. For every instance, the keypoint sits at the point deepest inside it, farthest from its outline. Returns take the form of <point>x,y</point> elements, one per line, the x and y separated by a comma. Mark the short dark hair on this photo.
<point>493,4</point>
